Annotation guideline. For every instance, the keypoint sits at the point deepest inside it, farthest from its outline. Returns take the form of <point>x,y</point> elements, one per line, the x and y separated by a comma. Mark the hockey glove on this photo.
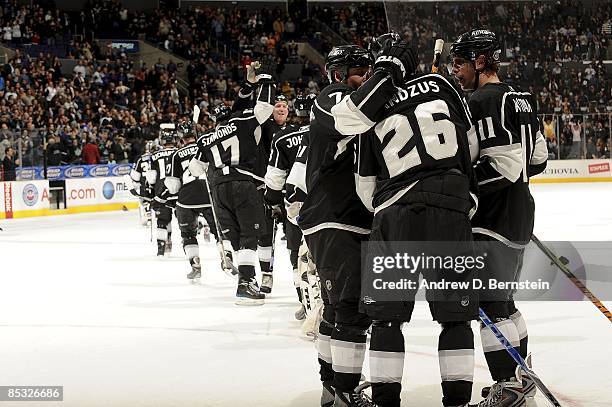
<point>293,209</point>
<point>134,192</point>
<point>264,70</point>
<point>250,73</point>
<point>399,61</point>
<point>275,211</point>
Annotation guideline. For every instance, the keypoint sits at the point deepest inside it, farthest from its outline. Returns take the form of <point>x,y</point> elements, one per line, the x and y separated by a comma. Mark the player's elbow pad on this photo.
<point>173,184</point>
<point>196,167</point>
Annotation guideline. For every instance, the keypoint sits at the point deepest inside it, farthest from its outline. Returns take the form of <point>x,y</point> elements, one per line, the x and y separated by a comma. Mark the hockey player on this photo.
<point>231,151</point>
<point>276,123</point>
<point>415,167</point>
<point>285,145</point>
<point>335,222</point>
<point>163,203</point>
<point>512,149</point>
<point>140,187</point>
<point>192,200</point>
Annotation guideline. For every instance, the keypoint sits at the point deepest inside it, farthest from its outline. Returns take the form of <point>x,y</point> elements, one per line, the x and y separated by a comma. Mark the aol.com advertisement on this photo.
<point>97,191</point>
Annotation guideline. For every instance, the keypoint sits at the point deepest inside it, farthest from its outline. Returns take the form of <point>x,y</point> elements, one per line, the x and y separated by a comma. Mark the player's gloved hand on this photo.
<point>250,73</point>
<point>264,70</point>
<point>398,60</point>
<point>134,192</point>
<point>275,211</point>
<point>293,209</point>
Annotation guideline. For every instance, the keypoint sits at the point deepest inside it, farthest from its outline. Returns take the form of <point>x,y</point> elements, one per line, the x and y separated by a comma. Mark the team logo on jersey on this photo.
<point>465,301</point>
<point>328,285</point>
<point>108,190</point>
<point>30,195</point>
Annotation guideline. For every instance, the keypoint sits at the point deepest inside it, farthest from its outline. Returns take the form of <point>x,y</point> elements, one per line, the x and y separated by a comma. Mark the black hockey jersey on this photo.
<point>192,191</point>
<point>422,133</point>
<point>332,200</point>
<point>268,131</point>
<point>138,176</point>
<point>231,150</point>
<point>285,147</point>
<point>295,185</point>
<point>512,149</point>
<point>160,167</point>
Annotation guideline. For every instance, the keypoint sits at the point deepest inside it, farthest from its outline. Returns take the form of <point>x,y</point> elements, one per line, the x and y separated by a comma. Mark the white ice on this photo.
<point>85,304</point>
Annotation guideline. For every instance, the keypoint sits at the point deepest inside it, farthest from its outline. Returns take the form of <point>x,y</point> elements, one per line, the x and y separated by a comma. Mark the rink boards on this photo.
<point>575,171</point>
<point>31,198</point>
<point>22,199</point>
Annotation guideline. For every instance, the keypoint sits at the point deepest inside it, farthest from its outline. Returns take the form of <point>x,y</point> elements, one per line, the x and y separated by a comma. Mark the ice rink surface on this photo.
<point>84,303</point>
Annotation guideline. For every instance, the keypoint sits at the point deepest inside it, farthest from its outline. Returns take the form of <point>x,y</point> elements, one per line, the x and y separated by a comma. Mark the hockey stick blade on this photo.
<point>577,282</point>
<point>518,358</point>
<point>196,114</point>
<point>439,45</point>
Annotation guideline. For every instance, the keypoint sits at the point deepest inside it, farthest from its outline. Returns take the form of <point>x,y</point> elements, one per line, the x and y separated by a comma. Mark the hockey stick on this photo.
<point>587,293</point>
<point>274,225</point>
<point>226,265</point>
<point>437,53</point>
<point>224,261</point>
<point>518,358</point>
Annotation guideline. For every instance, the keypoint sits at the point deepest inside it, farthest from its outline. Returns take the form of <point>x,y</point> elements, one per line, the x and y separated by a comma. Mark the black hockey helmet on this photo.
<point>303,104</point>
<point>472,44</point>
<point>344,57</point>
<point>383,42</point>
<point>281,98</point>
<point>220,112</point>
<point>167,133</point>
<point>186,129</point>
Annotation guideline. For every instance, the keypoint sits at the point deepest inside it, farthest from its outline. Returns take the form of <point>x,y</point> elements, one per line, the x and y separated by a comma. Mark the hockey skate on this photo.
<point>300,314</point>
<point>358,398</point>
<point>327,395</point>
<point>196,270</point>
<point>266,282</point>
<point>161,248</point>
<point>504,394</point>
<point>529,387</point>
<point>248,293</point>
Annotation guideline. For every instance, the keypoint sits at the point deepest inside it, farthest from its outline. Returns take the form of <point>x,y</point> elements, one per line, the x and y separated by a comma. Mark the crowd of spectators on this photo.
<point>109,104</point>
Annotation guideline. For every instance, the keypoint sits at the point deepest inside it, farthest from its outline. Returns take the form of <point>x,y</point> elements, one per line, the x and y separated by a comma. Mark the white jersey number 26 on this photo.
<point>439,137</point>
